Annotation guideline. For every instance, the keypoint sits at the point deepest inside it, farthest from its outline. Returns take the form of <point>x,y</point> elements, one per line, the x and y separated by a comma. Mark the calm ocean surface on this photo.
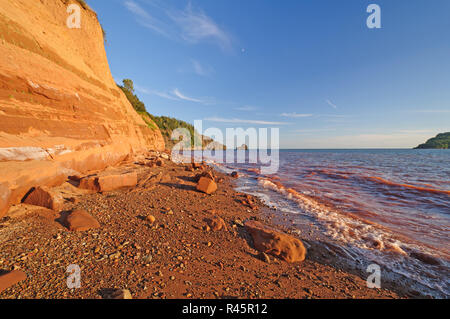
<point>391,207</point>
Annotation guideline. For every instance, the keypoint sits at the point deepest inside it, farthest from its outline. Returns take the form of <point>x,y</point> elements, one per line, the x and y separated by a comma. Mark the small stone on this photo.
<point>115,255</point>
<point>239,222</point>
<point>172,277</point>
<point>216,223</point>
<point>160,163</point>
<point>147,259</point>
<point>264,257</point>
<point>151,219</point>
<point>118,294</point>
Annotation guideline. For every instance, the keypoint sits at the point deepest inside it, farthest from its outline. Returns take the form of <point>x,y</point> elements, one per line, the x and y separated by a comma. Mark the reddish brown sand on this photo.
<point>176,257</point>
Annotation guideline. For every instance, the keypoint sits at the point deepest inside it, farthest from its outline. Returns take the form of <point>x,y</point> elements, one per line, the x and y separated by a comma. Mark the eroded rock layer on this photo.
<point>60,109</point>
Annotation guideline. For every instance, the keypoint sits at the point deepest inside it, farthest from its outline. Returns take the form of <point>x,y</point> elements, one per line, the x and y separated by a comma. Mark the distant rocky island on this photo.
<point>441,141</point>
<point>243,147</point>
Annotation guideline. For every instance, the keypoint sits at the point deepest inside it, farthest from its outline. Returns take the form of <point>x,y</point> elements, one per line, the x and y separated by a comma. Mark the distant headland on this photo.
<point>441,141</point>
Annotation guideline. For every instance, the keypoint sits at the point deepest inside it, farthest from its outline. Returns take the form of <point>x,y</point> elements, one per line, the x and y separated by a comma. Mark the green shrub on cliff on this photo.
<point>441,141</point>
<point>128,89</point>
<point>168,124</point>
<point>165,124</point>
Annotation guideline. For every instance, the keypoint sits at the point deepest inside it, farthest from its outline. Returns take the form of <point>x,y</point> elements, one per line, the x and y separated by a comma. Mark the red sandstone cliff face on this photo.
<point>60,109</point>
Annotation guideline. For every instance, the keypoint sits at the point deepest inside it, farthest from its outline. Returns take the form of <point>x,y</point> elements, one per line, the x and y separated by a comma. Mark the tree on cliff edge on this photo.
<point>128,89</point>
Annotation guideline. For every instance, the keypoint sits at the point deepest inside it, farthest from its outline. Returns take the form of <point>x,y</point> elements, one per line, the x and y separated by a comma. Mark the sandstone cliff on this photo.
<point>60,109</point>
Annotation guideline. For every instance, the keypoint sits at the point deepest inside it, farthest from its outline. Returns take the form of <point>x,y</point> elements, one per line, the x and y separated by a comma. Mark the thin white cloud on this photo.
<point>174,95</point>
<point>196,26</point>
<point>389,140</point>
<point>157,93</point>
<point>295,115</point>
<point>246,108</point>
<point>201,69</point>
<point>314,130</point>
<point>415,131</point>
<point>181,96</point>
<point>145,19</point>
<point>331,104</point>
<point>242,121</point>
<point>165,95</point>
<point>431,111</point>
<point>189,25</point>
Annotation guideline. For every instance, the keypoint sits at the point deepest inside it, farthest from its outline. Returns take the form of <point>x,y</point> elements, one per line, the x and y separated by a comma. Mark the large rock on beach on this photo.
<point>80,220</point>
<point>209,175</point>
<point>43,196</point>
<point>206,185</point>
<point>270,241</point>
<point>108,182</point>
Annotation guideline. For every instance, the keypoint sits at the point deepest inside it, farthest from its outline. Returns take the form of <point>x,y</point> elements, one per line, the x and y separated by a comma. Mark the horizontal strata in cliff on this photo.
<point>61,112</point>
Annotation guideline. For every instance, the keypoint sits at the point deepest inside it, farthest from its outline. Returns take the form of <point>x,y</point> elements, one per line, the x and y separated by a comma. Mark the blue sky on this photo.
<point>311,68</point>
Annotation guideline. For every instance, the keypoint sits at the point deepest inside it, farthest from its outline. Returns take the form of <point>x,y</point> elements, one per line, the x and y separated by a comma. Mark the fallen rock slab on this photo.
<point>206,185</point>
<point>81,220</point>
<point>43,196</point>
<point>108,182</point>
<point>111,182</point>
<point>270,241</point>
<point>10,279</point>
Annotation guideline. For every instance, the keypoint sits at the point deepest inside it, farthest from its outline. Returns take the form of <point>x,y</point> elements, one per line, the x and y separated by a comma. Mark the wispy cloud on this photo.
<point>305,131</point>
<point>181,96</point>
<point>331,104</point>
<point>368,140</point>
<point>246,108</point>
<point>157,93</point>
<point>295,115</point>
<point>201,69</point>
<point>145,19</point>
<point>196,26</point>
<point>431,111</point>
<point>174,95</point>
<point>243,121</point>
<point>415,131</point>
<point>190,25</point>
